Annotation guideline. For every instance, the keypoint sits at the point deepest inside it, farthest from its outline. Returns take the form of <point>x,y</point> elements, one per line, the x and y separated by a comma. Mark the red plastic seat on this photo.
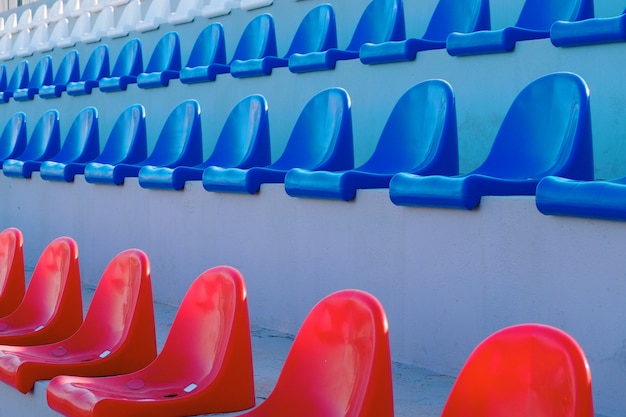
<point>52,308</point>
<point>528,370</point>
<point>205,366</point>
<point>12,280</point>
<point>339,364</point>
<point>117,336</point>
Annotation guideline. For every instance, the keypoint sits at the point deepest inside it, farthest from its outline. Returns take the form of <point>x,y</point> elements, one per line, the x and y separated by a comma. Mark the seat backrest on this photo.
<point>258,39</point>
<point>322,135</point>
<point>71,6</point>
<point>10,23</point>
<point>55,12</point>
<point>60,31</point>
<point>19,77</point>
<point>13,138</point>
<point>209,339</point>
<point>53,299</point>
<point>458,16</point>
<point>69,69</point>
<point>6,44</point>
<point>82,141</point>
<point>317,31</point>
<point>12,277</point>
<point>525,370</point>
<point>82,26</point>
<point>420,134</point>
<point>130,15</point>
<point>382,21</point>
<point>25,19</point>
<point>40,36</point>
<point>209,47</point>
<point>166,54</point>
<point>97,65</point>
<point>3,77</point>
<point>540,14</point>
<point>159,9</point>
<point>42,74</point>
<point>245,138</point>
<point>180,140</point>
<point>121,314</point>
<point>22,41</point>
<point>546,131</point>
<point>129,61</point>
<point>184,6</point>
<point>45,140</point>
<point>339,364</point>
<point>127,140</point>
<point>41,15</point>
<point>105,20</point>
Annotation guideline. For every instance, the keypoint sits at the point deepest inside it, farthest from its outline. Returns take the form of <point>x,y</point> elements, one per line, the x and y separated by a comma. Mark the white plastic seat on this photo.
<point>115,3</point>
<point>21,45</point>
<point>104,22</point>
<point>61,30</point>
<point>157,13</point>
<point>6,45</point>
<point>55,12</point>
<point>39,36</point>
<point>72,7</point>
<point>92,6</point>
<point>186,11</point>
<point>10,24</point>
<point>220,7</point>
<point>40,16</point>
<point>82,27</point>
<point>24,21</point>
<point>127,21</point>
<point>255,4</point>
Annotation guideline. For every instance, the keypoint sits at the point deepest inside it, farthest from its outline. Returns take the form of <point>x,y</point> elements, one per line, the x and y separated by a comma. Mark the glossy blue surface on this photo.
<point>547,131</point>
<point>178,144</point>
<point>589,32</point>
<point>463,16</point>
<point>244,142</point>
<point>164,64</point>
<point>320,140</point>
<point>42,75</point>
<point>96,68</point>
<point>207,57</point>
<point>19,79</point>
<point>591,199</point>
<point>82,144</point>
<point>534,22</point>
<point>44,143</point>
<point>128,65</point>
<point>3,77</point>
<point>13,138</point>
<point>257,44</point>
<point>381,21</point>
<point>420,137</point>
<point>68,71</point>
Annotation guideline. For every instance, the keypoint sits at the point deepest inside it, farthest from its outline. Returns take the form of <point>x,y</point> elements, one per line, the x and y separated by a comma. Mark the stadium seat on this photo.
<point>40,16</point>
<point>68,71</point>
<point>254,4</point>
<point>547,131</point>
<point>534,22</point>
<point>92,6</point>
<point>591,199</point>
<point>97,67</point>
<point>6,47</point>
<point>320,140</point>
<point>419,137</point>
<point>243,143</point>
<point>42,75</point>
<point>52,307</point>
<point>26,17</point>
<point>317,33</point>
<point>127,21</point>
<point>116,337</point>
<point>19,79</point>
<point>44,143</point>
<point>339,363</point>
<point>12,276</point>
<point>217,8</point>
<point>207,57</point>
<point>164,64</point>
<point>179,144</point>
<point>589,31</point>
<point>81,28</point>
<point>128,65</point>
<point>462,16</point>
<point>205,366</point>
<point>186,12</point>
<point>3,77</point>
<point>13,137</point>
<point>39,36</point>
<point>55,11</point>
<point>157,13</point>
<point>534,369</point>
<point>10,23</point>
<point>71,8</point>
<point>382,21</point>
<point>104,22</point>
<point>21,46</point>
<point>81,144</point>
<point>257,43</point>
<point>61,30</point>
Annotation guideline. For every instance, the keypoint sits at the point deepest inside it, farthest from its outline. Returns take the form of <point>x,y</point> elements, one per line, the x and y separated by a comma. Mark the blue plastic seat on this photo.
<point>207,57</point>
<point>419,137</point>
<point>243,143</point>
<point>164,64</point>
<point>547,131</point>
<point>126,144</point>
<point>42,75</point>
<point>44,143</point>
<point>19,79</point>
<point>3,77</point>
<point>13,137</point>
<point>589,199</point>
<point>68,71</point>
<point>257,43</point>
<point>178,144</point>
<point>96,68</point>
<point>589,31</point>
<point>320,140</point>
<point>317,33</point>
<point>128,65</point>
<point>81,144</point>
<point>463,16</point>
<point>382,21</point>
<point>534,22</point>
